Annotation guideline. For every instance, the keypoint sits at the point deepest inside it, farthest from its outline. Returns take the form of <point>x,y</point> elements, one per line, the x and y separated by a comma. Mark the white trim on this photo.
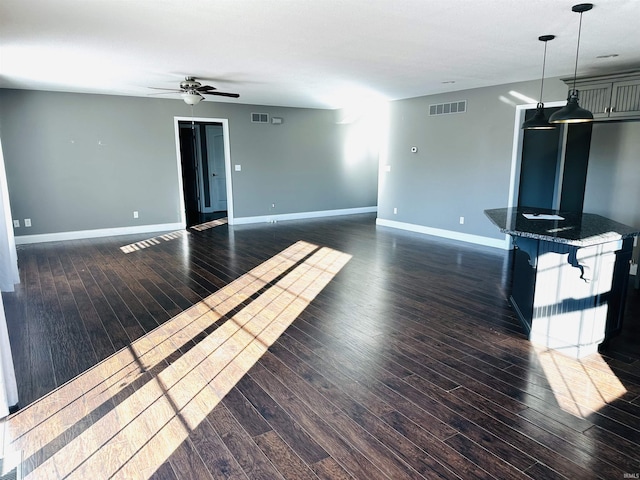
<point>453,235</point>
<point>562,153</point>
<point>304,215</point>
<point>516,154</point>
<point>181,205</point>
<point>227,162</point>
<point>227,170</point>
<point>99,232</point>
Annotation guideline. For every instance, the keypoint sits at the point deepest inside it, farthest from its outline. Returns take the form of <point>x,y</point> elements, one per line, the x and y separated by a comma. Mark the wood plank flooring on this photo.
<point>327,349</point>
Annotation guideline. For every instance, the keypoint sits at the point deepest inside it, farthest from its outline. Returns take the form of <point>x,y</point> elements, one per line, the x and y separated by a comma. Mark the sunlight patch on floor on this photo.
<point>581,387</point>
<point>129,413</point>
<point>150,242</point>
<point>211,224</point>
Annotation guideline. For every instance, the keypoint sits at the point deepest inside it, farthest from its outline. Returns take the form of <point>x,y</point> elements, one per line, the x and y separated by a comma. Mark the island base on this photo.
<point>570,298</point>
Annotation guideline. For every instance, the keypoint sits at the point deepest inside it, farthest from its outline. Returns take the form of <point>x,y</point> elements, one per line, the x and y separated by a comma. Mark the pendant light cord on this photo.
<point>575,71</point>
<point>544,61</point>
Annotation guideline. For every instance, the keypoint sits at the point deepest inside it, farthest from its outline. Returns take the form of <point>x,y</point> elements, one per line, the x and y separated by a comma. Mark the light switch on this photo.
<point>238,168</point>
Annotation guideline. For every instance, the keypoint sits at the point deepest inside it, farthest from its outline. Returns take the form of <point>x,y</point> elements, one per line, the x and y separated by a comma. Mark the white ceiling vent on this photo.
<point>446,108</point>
<point>259,118</point>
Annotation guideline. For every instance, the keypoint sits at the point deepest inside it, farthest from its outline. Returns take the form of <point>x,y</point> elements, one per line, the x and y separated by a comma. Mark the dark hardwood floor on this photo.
<point>326,348</point>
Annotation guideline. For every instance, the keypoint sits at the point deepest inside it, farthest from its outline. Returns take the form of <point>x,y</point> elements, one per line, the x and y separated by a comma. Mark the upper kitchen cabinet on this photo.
<point>613,96</point>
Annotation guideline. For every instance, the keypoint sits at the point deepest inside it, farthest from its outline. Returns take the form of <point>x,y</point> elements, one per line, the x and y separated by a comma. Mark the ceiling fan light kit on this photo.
<point>539,121</point>
<point>572,112</point>
<point>191,98</point>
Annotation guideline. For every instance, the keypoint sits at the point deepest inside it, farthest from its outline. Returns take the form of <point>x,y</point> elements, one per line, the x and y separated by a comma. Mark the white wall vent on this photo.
<point>259,118</point>
<point>446,108</point>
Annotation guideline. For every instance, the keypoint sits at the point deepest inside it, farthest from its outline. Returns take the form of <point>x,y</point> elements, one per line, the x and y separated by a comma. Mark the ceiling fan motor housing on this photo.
<point>189,84</point>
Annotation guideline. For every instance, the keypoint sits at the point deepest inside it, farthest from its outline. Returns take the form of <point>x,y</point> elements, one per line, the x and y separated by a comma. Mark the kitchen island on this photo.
<point>569,275</point>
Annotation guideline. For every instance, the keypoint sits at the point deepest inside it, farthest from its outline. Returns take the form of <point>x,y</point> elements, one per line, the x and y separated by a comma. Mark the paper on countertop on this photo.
<point>542,216</point>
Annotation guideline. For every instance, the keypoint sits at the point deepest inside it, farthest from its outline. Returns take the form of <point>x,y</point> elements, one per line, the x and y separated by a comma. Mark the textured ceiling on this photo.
<point>305,53</point>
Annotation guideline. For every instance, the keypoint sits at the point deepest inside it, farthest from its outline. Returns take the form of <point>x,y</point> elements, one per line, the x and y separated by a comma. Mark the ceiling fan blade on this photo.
<point>167,89</point>
<point>205,88</point>
<point>222,94</point>
<point>163,93</point>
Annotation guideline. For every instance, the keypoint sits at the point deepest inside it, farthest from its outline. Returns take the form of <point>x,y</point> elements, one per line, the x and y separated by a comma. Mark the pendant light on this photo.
<point>572,112</point>
<point>539,121</point>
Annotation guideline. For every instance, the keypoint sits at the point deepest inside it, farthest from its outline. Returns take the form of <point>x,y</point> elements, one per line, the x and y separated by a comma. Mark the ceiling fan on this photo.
<point>192,91</point>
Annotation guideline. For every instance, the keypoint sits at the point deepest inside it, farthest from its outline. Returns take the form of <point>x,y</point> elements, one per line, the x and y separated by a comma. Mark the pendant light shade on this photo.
<point>572,112</point>
<point>539,121</point>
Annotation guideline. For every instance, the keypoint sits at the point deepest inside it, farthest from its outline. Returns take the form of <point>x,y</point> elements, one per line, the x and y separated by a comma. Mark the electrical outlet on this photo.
<point>27,222</point>
<point>395,211</point>
<point>16,224</point>
<point>238,168</point>
<point>135,214</point>
<point>461,220</point>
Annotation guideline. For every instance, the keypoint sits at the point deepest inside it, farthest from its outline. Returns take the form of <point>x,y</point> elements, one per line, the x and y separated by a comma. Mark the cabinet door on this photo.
<point>596,98</point>
<point>625,99</point>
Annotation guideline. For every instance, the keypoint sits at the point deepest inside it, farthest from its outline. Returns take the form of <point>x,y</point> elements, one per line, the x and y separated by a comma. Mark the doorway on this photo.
<point>541,165</point>
<point>202,146</point>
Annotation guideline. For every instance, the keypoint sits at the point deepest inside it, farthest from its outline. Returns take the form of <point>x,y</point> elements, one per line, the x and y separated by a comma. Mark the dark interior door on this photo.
<point>189,175</point>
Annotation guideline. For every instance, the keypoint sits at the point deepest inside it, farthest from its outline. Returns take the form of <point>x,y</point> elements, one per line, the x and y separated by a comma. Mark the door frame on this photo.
<point>227,163</point>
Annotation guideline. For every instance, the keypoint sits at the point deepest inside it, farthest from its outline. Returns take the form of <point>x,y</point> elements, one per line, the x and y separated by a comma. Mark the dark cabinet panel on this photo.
<point>524,278</point>
<point>576,161</point>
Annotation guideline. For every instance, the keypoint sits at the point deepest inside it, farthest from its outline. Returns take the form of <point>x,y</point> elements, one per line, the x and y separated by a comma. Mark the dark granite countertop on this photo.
<point>579,229</point>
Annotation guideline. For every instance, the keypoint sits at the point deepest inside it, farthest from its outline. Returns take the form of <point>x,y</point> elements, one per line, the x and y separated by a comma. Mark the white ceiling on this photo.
<point>305,53</point>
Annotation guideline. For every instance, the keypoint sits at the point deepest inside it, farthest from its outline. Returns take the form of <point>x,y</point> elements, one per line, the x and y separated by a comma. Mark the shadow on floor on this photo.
<point>626,346</point>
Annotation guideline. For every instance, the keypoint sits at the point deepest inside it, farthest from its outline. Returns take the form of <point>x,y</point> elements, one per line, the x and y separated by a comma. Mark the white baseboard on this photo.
<point>100,232</point>
<point>303,215</point>
<point>464,237</point>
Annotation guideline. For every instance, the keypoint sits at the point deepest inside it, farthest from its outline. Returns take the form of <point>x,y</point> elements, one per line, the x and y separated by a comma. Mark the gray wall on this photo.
<point>463,162</point>
<point>80,162</point>
<point>299,165</point>
<point>613,177</point>
<point>312,162</point>
<point>61,178</point>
